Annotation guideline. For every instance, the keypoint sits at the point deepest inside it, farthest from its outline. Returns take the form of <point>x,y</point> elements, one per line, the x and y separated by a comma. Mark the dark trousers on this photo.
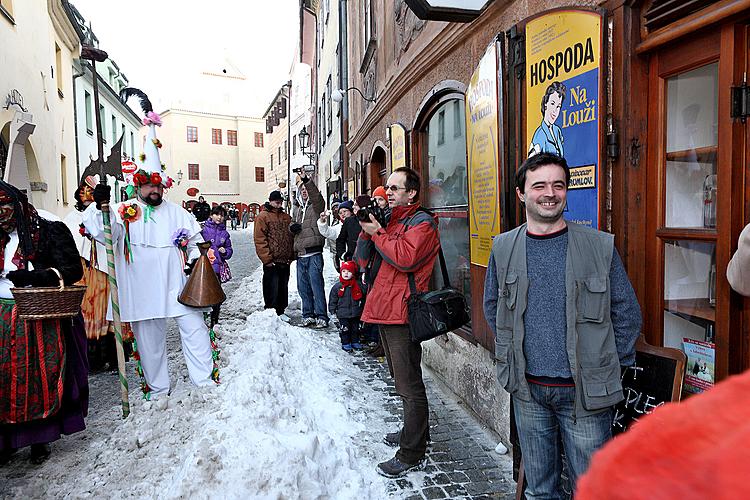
<point>404,360</point>
<point>349,331</point>
<point>276,287</point>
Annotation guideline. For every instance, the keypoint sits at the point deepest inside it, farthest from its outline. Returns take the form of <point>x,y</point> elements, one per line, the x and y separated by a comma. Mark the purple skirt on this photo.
<point>75,400</point>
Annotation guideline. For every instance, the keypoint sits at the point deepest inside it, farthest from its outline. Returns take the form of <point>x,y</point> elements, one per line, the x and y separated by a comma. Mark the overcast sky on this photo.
<point>164,46</point>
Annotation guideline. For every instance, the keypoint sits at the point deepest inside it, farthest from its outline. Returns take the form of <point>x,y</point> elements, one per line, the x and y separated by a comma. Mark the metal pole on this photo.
<point>113,293</point>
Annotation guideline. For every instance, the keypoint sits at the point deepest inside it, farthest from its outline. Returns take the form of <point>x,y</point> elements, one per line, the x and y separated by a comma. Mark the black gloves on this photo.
<point>102,194</point>
<point>189,267</point>
<point>295,228</point>
<point>42,277</point>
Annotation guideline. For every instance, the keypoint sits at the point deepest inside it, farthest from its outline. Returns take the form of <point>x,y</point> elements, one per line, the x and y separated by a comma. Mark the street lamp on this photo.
<point>337,95</point>
<point>304,139</point>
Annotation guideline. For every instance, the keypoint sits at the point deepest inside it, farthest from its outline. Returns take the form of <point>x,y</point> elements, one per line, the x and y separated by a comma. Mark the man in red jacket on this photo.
<point>408,244</point>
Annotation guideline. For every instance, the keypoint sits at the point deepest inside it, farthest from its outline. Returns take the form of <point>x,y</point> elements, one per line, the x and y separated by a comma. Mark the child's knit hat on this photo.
<point>350,266</point>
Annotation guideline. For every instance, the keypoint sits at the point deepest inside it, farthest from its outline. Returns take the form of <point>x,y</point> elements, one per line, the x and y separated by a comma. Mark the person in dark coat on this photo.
<point>346,302</point>
<point>201,210</point>
<point>274,244</point>
<point>215,231</point>
<point>41,397</point>
<point>346,242</point>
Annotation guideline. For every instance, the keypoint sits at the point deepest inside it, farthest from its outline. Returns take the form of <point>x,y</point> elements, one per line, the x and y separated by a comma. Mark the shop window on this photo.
<point>447,192</point>
<point>194,173</point>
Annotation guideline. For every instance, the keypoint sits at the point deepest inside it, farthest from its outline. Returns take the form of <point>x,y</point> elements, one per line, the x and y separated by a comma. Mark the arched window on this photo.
<point>442,163</point>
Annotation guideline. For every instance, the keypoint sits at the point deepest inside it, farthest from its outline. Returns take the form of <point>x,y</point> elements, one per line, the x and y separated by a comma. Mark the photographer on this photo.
<point>308,243</point>
<point>408,243</point>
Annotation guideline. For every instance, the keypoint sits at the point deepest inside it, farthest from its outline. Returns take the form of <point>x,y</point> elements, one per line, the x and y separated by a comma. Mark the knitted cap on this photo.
<point>350,266</point>
<point>275,195</point>
<point>379,191</point>
<point>348,204</point>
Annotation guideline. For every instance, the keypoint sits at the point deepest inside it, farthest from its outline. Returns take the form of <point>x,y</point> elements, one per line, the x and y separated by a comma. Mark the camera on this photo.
<point>369,206</point>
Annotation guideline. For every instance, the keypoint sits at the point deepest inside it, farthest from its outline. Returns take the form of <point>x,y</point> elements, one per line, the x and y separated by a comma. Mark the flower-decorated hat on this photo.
<point>150,169</point>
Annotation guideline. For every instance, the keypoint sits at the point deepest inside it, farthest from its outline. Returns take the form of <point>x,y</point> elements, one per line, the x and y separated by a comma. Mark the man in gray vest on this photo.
<point>565,319</point>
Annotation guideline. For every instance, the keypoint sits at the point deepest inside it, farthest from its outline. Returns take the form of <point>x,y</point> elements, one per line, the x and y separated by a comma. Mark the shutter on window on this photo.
<point>664,12</point>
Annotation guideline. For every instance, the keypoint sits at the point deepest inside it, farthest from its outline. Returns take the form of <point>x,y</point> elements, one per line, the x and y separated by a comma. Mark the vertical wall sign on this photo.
<point>483,151</point>
<point>398,146</point>
<point>563,77</point>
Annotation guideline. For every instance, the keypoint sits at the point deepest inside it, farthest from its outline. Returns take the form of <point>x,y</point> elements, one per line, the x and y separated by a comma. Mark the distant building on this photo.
<point>117,119</point>
<point>37,138</point>
<point>277,127</point>
<point>222,157</point>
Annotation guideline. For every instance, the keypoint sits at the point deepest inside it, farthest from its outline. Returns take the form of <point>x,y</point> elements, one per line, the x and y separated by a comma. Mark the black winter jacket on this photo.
<point>346,306</point>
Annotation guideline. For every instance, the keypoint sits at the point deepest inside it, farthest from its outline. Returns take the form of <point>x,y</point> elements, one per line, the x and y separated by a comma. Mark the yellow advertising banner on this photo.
<point>398,146</point>
<point>483,151</point>
<point>563,55</point>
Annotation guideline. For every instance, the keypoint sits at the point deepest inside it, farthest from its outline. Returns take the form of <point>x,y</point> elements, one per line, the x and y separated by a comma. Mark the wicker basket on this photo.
<point>48,302</point>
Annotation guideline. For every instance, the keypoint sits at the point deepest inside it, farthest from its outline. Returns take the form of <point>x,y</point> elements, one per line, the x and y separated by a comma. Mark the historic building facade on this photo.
<point>647,122</point>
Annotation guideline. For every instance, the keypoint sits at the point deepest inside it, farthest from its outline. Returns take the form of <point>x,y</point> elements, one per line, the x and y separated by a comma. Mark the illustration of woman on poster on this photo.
<point>548,137</point>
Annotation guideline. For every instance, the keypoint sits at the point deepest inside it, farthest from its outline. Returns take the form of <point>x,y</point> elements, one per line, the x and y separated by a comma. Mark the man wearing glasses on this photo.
<point>408,244</point>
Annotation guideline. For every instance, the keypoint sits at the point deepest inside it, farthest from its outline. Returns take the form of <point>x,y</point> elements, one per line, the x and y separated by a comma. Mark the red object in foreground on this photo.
<point>192,191</point>
<point>697,449</point>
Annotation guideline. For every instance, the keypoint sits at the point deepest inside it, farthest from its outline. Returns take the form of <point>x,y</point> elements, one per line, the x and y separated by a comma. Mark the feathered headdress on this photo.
<point>150,170</point>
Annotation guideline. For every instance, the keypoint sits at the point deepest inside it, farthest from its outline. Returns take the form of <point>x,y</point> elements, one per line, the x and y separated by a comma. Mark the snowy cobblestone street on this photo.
<point>295,417</point>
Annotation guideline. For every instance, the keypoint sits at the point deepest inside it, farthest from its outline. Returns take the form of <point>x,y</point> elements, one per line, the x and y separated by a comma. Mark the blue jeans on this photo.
<point>541,423</point>
<point>311,287</point>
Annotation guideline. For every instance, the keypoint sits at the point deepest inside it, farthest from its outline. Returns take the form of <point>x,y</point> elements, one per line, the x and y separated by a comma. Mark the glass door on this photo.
<point>692,182</point>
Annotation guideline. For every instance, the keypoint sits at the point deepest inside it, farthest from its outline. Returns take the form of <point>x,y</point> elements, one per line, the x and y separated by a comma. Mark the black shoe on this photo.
<point>394,467</point>
<point>6,455</point>
<point>40,453</point>
<point>393,439</point>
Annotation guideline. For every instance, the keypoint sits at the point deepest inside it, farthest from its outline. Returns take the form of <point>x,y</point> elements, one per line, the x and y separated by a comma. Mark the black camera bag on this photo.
<point>435,312</point>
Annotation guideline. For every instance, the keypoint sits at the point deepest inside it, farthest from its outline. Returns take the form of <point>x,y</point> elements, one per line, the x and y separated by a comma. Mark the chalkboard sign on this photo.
<point>655,379</point>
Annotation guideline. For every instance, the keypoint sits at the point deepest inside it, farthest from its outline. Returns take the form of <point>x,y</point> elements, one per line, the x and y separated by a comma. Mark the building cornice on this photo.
<point>63,25</point>
<point>400,81</point>
<point>204,113</point>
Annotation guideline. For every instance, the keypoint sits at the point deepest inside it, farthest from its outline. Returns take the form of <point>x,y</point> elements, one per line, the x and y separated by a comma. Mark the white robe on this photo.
<point>150,284</point>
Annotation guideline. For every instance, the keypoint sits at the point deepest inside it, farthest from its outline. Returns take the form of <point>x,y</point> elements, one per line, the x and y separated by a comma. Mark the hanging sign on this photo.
<point>563,59</point>
<point>483,152</point>
<point>398,146</point>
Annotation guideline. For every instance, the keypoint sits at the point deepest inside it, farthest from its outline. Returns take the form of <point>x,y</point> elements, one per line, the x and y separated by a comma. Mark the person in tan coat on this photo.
<point>738,270</point>
<point>274,244</point>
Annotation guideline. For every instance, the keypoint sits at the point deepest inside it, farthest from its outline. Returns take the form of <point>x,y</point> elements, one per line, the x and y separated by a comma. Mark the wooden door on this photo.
<point>695,151</point>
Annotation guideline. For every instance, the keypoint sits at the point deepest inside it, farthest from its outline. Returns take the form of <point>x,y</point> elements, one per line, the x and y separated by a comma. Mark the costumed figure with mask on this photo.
<point>154,241</point>
<point>102,352</point>
<point>43,366</point>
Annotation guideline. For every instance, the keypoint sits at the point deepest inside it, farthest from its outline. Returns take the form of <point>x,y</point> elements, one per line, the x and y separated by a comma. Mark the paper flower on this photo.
<point>129,212</point>
<point>152,119</point>
<point>155,178</point>
<point>156,142</point>
<point>142,157</point>
<point>170,183</point>
<point>181,237</point>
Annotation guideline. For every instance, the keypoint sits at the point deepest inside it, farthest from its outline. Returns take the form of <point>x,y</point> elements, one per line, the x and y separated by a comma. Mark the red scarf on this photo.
<point>356,290</point>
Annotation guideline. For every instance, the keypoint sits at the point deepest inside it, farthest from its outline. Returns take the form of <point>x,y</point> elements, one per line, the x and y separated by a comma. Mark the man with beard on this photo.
<point>153,240</point>
<point>565,319</point>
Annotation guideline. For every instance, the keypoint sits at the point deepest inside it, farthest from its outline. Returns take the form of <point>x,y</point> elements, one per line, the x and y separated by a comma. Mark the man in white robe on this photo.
<point>151,281</point>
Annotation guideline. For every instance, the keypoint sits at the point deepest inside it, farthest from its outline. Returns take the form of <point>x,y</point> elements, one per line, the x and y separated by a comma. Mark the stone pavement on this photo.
<point>461,462</point>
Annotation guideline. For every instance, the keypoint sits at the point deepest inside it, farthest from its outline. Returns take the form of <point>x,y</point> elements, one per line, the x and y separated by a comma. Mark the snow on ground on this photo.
<point>292,419</point>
